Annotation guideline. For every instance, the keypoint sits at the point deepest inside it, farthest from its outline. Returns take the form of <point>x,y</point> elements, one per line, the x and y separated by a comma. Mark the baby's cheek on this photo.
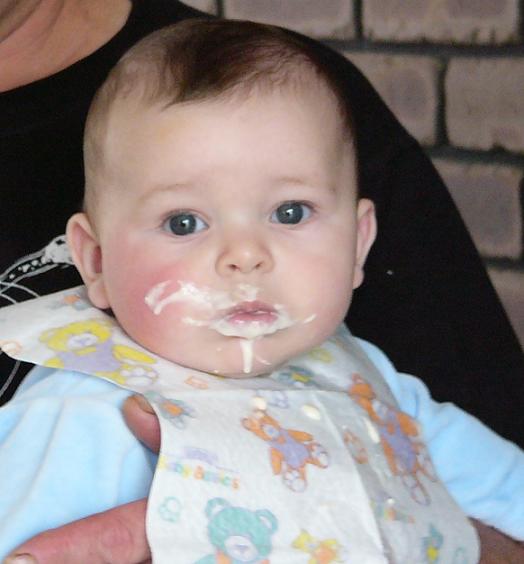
<point>136,298</point>
<point>161,295</point>
<point>155,287</point>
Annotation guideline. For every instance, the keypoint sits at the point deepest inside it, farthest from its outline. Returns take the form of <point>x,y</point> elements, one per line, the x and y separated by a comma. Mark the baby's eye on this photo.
<point>291,213</point>
<point>184,224</point>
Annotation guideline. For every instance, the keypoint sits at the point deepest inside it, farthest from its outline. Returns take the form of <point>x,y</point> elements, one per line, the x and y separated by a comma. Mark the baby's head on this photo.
<point>223,225</point>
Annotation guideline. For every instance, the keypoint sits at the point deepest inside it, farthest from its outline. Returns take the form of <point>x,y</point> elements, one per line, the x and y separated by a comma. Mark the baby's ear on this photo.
<point>87,256</point>
<point>366,233</point>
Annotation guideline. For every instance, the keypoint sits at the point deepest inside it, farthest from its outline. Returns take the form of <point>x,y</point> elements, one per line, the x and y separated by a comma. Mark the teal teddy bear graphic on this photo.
<point>239,535</point>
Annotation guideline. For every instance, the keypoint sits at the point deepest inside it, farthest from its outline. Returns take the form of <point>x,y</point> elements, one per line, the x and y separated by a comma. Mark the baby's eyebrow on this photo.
<point>304,182</point>
<point>163,189</point>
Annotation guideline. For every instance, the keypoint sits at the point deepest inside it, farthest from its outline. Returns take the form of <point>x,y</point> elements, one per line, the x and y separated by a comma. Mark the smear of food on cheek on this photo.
<point>233,313</point>
<point>157,298</point>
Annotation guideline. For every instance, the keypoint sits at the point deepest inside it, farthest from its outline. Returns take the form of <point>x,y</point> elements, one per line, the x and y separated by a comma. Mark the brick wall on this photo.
<point>453,73</point>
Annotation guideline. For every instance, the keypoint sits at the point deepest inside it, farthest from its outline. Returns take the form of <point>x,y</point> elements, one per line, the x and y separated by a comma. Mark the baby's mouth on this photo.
<point>250,312</point>
<point>251,320</point>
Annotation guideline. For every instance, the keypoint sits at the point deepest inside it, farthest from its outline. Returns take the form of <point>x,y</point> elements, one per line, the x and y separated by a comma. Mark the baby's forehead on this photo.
<point>136,128</point>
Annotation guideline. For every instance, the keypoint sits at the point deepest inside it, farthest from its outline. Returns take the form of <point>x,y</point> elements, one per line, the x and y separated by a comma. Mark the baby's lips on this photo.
<point>253,311</point>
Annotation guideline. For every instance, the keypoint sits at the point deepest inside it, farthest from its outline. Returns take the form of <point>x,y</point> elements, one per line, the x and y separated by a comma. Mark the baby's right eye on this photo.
<point>185,223</point>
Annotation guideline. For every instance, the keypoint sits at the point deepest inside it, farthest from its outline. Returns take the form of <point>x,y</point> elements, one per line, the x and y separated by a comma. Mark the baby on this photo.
<point>224,233</point>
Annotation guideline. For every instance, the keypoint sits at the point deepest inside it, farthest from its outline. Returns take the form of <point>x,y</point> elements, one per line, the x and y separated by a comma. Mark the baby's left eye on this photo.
<point>291,213</point>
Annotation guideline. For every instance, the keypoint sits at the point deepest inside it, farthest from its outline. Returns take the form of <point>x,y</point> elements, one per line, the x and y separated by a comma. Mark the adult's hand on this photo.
<point>497,548</point>
<point>117,535</point>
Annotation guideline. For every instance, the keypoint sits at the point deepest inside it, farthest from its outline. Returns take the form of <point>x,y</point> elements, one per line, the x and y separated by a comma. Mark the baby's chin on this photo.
<point>239,371</point>
<point>235,369</point>
<point>254,373</point>
<point>239,359</point>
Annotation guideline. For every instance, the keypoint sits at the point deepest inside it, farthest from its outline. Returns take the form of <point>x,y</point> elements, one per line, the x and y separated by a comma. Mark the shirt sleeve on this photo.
<point>481,470</point>
<point>65,453</point>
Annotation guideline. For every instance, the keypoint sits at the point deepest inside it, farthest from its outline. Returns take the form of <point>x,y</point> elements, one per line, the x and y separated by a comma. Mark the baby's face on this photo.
<point>229,231</point>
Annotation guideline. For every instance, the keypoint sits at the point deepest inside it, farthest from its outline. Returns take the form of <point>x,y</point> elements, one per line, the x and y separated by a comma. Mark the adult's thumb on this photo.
<point>117,536</point>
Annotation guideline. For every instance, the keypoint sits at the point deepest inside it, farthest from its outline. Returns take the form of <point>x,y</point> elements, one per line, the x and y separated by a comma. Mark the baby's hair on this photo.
<point>203,59</point>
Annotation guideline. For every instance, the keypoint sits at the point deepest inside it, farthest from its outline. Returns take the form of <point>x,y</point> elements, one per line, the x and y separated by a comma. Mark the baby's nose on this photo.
<point>244,255</point>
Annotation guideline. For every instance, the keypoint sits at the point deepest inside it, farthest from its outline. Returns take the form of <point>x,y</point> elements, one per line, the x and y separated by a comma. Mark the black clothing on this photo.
<point>426,300</point>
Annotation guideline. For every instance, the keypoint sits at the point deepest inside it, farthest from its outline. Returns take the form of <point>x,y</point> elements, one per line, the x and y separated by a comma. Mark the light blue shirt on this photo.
<point>59,463</point>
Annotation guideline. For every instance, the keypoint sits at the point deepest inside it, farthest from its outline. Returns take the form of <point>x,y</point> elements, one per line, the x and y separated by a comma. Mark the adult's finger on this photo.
<point>117,536</point>
<point>496,547</point>
<point>141,419</point>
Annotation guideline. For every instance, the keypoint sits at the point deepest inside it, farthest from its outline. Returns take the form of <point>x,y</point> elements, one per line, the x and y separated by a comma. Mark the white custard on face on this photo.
<point>216,302</point>
<point>249,332</point>
<point>201,297</point>
<point>246,346</point>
